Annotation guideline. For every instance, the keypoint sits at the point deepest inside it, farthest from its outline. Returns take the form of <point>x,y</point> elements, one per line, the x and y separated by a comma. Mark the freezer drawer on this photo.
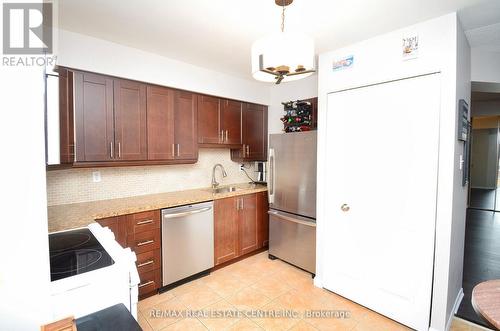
<point>293,239</point>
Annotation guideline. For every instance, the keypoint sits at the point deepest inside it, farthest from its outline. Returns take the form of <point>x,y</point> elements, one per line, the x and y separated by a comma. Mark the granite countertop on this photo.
<point>77,215</point>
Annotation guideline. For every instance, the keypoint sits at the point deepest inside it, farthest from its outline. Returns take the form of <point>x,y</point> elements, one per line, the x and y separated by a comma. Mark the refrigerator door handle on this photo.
<point>271,175</point>
<point>290,219</point>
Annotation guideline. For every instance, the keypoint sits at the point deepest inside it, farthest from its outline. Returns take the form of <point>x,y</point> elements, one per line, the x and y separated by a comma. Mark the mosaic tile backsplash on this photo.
<point>76,185</point>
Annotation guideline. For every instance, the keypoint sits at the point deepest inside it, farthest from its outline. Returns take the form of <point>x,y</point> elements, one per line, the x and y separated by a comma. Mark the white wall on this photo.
<point>457,235</point>
<point>485,65</point>
<point>87,53</point>
<point>296,90</point>
<point>24,254</point>
<point>378,60</point>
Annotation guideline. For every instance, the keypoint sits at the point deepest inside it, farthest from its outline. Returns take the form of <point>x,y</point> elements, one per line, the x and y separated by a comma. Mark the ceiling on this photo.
<point>218,34</point>
<point>481,23</point>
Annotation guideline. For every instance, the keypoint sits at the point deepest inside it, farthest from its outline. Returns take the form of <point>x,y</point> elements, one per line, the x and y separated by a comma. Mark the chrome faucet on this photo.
<point>224,174</point>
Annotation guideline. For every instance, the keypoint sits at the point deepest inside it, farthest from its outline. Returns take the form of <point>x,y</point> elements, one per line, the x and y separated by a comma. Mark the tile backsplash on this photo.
<point>76,185</point>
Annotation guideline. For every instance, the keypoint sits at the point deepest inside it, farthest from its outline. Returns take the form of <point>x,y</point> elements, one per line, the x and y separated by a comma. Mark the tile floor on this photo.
<point>258,284</point>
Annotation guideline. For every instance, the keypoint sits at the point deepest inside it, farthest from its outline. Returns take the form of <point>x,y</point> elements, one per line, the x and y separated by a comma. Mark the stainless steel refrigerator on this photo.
<point>292,198</point>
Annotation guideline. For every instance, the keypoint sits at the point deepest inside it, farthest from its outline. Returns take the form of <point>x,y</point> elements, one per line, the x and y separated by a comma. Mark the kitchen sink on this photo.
<point>225,189</point>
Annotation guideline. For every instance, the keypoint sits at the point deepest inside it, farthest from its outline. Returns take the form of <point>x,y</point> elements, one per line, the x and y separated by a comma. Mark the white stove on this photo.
<point>90,271</point>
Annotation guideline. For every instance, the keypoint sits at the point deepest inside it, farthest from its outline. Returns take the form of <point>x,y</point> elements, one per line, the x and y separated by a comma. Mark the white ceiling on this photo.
<point>218,34</point>
<point>482,25</point>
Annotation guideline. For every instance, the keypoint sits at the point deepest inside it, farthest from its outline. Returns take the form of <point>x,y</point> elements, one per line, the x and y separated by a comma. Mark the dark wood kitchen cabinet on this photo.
<point>110,119</point>
<point>141,233</point>
<point>247,225</point>
<point>160,119</point>
<point>94,118</point>
<point>209,131</point>
<point>239,226</point>
<point>185,125</point>
<point>172,124</point>
<point>254,134</point>
<point>225,229</point>
<point>219,122</point>
<point>130,120</point>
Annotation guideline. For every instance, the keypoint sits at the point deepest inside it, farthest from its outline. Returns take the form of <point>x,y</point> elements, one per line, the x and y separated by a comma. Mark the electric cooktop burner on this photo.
<point>75,252</point>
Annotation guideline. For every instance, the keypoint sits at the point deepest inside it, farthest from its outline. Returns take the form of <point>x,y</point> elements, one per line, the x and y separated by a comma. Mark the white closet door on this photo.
<point>382,156</point>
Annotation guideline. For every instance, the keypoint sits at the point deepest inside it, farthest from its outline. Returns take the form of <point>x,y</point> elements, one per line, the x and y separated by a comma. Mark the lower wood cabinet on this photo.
<point>240,225</point>
<point>140,232</point>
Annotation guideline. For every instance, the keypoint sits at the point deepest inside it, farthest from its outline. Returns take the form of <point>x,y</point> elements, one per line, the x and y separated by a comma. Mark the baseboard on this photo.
<point>454,310</point>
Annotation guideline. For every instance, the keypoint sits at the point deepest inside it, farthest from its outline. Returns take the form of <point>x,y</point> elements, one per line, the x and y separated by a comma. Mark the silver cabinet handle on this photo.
<point>227,135</point>
<point>221,138</point>
<point>345,207</point>
<point>146,284</point>
<point>145,263</point>
<point>145,222</point>
<point>248,150</point>
<point>119,150</point>
<point>178,149</point>
<point>111,152</point>
<point>242,204</point>
<point>142,243</point>
<point>186,213</point>
<point>237,204</point>
<point>173,150</point>
<point>244,150</point>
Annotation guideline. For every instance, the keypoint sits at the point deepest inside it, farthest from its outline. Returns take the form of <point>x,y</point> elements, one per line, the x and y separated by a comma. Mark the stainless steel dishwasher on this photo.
<point>187,242</point>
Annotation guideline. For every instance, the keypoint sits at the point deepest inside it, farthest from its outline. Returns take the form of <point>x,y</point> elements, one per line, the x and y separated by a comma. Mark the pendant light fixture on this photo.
<point>283,56</point>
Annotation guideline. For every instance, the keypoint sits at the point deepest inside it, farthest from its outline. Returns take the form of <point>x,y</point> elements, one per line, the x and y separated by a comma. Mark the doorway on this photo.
<point>482,232</point>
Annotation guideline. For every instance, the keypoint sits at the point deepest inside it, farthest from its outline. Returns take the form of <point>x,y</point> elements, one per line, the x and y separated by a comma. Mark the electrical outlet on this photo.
<point>242,167</point>
<point>96,176</point>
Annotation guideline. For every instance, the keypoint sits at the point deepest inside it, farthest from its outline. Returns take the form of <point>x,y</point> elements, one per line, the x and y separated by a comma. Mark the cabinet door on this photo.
<point>209,131</point>
<point>160,123</point>
<point>225,230</point>
<point>186,134</point>
<point>94,128</point>
<point>255,132</point>
<point>130,120</point>
<point>231,121</point>
<point>117,225</point>
<point>247,223</point>
<point>262,220</point>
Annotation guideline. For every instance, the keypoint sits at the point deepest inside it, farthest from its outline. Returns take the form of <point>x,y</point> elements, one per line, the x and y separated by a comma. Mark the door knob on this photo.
<point>345,207</point>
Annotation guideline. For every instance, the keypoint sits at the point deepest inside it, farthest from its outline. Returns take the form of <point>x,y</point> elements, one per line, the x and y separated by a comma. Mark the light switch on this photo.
<point>96,176</point>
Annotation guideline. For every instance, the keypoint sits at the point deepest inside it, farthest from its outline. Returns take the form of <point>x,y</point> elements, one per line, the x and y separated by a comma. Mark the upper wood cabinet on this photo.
<point>254,134</point>
<point>160,120</point>
<point>172,124</point>
<point>219,122</point>
<point>130,120</point>
<point>185,126</point>
<point>94,118</point>
<point>230,122</point>
<point>209,131</point>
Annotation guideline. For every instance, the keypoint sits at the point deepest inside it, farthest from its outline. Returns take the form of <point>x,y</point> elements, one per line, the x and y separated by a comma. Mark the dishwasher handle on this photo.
<point>186,213</point>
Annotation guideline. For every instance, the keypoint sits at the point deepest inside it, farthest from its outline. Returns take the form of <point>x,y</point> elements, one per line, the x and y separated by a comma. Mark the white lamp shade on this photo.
<point>283,49</point>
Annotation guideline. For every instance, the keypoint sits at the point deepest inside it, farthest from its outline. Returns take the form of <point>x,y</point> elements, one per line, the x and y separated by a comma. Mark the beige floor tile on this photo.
<point>221,315</point>
<point>246,275</point>
<point>336,324</point>
<point>274,322</point>
<point>201,297</point>
<point>333,301</point>
<point>191,324</point>
<point>224,284</point>
<point>154,300</point>
<point>248,299</point>
<point>303,326</point>
<point>373,321</point>
<point>165,313</point>
<point>143,323</point>
<point>186,288</point>
<point>459,324</point>
<point>271,287</point>
<point>245,325</point>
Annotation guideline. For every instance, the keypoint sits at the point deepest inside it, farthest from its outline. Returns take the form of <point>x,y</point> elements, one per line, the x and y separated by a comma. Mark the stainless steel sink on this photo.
<point>225,189</point>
